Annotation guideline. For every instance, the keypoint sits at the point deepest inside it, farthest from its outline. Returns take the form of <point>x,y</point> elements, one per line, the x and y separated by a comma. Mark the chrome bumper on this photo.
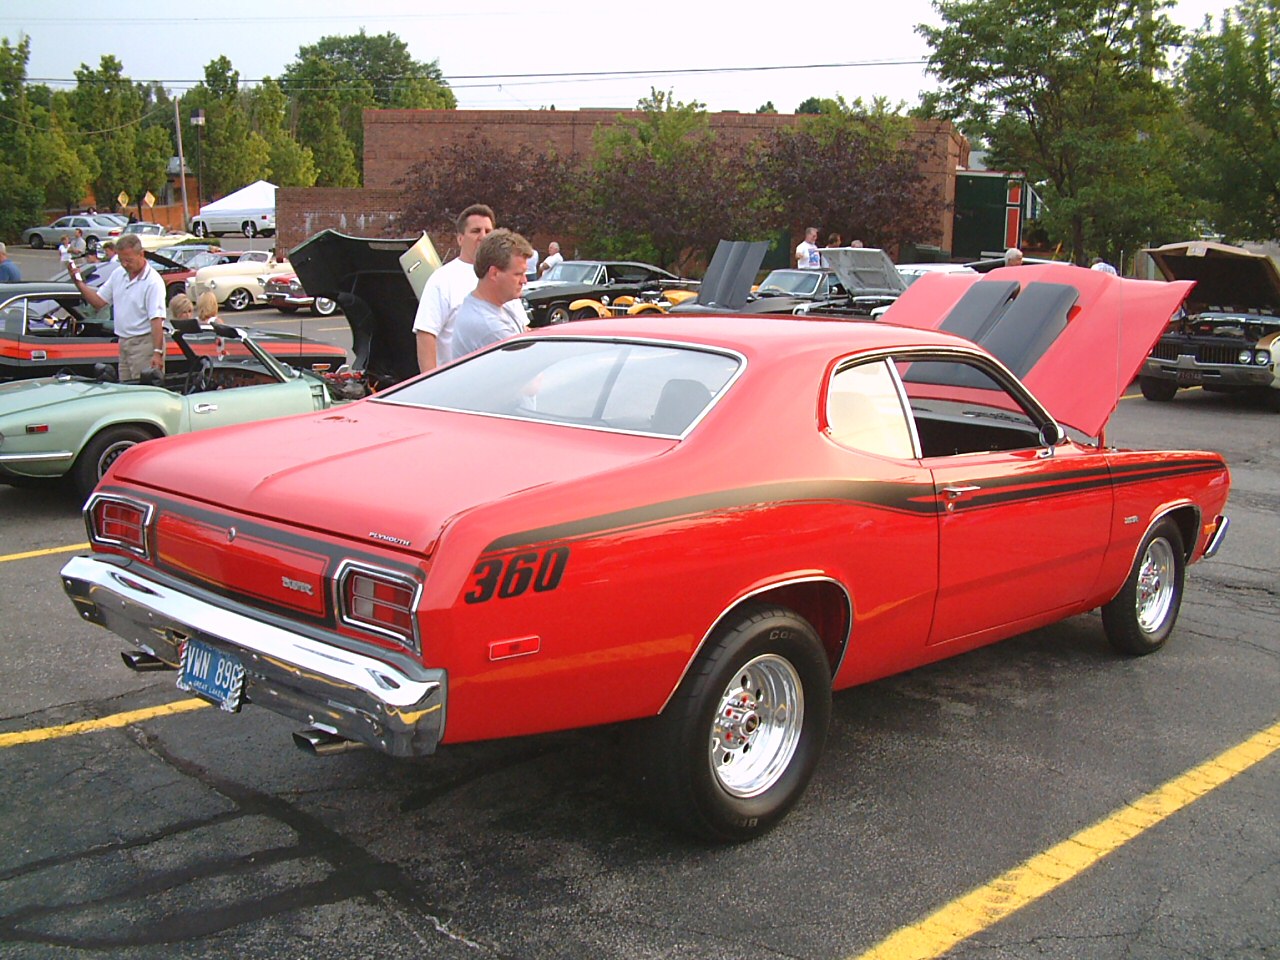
<point>399,710</point>
<point>1217,538</point>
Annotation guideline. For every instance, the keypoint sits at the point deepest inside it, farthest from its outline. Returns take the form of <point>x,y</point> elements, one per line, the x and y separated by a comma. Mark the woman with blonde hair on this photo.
<point>207,308</point>
<point>180,307</point>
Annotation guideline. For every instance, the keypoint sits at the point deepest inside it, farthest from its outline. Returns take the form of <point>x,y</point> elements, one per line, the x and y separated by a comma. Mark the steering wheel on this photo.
<point>68,326</point>
<point>199,378</point>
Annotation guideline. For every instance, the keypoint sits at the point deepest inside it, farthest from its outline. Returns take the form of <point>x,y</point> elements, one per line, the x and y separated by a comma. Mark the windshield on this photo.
<point>803,282</point>
<point>151,229</point>
<point>602,384</point>
<point>572,271</point>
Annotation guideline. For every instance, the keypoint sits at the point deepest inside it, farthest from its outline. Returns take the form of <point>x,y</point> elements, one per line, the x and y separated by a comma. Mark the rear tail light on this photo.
<point>119,523</point>
<point>379,601</point>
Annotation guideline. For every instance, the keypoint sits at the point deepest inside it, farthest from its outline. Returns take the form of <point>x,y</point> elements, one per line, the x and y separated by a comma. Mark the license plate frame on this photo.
<point>212,675</point>
<point>1190,378</point>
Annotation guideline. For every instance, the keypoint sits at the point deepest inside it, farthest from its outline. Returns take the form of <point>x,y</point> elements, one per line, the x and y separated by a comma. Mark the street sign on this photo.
<point>149,199</point>
<point>122,198</point>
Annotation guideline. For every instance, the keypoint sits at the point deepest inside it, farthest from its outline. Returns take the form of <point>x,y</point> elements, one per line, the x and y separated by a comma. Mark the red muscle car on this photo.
<point>705,524</point>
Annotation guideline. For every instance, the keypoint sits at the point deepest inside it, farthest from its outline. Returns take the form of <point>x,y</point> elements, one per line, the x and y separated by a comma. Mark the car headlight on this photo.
<point>1262,358</point>
<point>1245,356</point>
<point>213,284</point>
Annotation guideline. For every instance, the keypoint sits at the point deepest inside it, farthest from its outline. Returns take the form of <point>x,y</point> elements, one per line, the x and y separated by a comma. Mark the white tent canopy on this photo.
<point>256,196</point>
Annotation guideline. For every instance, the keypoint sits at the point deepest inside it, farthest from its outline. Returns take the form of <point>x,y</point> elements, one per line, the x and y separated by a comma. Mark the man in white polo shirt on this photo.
<point>448,287</point>
<point>136,294</point>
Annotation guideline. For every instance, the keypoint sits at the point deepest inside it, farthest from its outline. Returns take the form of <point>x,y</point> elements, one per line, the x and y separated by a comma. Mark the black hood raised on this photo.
<point>366,277</point>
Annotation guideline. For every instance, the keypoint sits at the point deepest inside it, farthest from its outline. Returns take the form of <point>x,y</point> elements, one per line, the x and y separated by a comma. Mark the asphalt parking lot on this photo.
<point>142,824</point>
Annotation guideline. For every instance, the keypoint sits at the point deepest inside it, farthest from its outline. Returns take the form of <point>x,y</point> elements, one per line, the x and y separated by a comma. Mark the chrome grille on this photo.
<point>1217,353</point>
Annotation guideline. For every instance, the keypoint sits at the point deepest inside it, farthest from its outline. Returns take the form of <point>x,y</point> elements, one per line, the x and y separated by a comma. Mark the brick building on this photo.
<point>394,140</point>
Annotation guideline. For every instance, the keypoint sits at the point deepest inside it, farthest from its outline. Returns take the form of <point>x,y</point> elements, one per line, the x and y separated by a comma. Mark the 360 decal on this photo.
<point>510,577</point>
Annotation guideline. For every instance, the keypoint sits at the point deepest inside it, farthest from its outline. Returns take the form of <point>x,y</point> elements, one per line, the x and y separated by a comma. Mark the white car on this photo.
<point>237,285</point>
<point>911,272</point>
<point>154,236</point>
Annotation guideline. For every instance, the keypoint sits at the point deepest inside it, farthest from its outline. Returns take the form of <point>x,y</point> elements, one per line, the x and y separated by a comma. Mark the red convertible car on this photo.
<point>704,524</point>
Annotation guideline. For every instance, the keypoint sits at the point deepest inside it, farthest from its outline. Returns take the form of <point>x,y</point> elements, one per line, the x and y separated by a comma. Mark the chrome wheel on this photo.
<point>559,313</point>
<point>324,307</point>
<point>239,299</point>
<point>1156,588</point>
<point>757,726</point>
<point>111,453</point>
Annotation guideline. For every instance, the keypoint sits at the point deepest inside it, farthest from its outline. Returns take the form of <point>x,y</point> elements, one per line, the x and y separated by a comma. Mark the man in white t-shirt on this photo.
<point>551,259</point>
<point>807,256</point>
<point>448,287</point>
<point>136,294</point>
<point>492,312</point>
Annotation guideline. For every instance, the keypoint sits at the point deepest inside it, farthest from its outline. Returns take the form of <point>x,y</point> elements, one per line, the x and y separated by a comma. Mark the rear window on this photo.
<point>601,384</point>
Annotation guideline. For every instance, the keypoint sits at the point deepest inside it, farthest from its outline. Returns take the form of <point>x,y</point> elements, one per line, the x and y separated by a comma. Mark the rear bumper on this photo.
<point>398,709</point>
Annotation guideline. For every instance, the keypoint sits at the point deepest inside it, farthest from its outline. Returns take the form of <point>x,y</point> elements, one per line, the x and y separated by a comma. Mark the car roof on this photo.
<point>29,287</point>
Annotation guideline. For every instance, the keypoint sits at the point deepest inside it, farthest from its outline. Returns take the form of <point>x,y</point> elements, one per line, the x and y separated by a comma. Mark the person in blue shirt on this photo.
<point>9,272</point>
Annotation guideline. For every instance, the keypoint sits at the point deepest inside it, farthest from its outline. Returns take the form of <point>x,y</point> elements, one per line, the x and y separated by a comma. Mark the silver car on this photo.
<point>97,227</point>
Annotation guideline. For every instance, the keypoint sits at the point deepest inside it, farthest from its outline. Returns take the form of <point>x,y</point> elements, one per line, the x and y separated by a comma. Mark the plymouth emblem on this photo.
<point>389,539</point>
<point>296,585</point>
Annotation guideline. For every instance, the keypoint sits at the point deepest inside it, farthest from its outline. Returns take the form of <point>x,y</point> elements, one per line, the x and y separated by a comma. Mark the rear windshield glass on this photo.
<point>601,384</point>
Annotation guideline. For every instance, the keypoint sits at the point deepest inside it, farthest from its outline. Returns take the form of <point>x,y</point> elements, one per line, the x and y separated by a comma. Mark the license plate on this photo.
<point>211,674</point>
<point>1188,377</point>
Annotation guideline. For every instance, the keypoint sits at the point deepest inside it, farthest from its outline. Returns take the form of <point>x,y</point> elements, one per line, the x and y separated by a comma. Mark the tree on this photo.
<point>1229,82</point>
<point>528,192</point>
<point>320,125</point>
<point>292,164</point>
<point>852,170</point>
<point>108,111</point>
<point>362,71</point>
<point>21,200</point>
<point>234,153</point>
<point>663,189</point>
<point>767,107</point>
<point>1066,91</point>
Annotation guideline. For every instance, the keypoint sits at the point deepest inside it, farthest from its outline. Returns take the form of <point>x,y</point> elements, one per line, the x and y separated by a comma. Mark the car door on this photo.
<point>1023,525</point>
<point>47,333</point>
<point>220,408</point>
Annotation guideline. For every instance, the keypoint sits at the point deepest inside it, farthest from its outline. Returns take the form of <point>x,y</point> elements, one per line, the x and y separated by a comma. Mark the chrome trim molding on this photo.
<point>397,711</point>
<point>36,457</point>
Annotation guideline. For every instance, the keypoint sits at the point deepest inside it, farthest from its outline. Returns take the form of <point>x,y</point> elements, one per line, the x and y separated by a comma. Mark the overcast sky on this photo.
<point>755,53</point>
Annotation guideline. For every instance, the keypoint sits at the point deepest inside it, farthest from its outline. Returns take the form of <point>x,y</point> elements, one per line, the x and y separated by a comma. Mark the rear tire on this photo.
<point>101,452</point>
<point>324,307</point>
<point>735,748</point>
<point>557,313</point>
<point>1140,618</point>
<point>1158,390</point>
<point>199,229</point>
<point>249,228</point>
<point>37,242</point>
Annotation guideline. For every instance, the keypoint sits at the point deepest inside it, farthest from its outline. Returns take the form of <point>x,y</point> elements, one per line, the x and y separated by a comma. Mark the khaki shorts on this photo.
<point>135,356</point>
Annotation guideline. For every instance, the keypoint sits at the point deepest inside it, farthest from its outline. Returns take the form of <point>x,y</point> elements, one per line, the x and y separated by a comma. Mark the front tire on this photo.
<point>1140,618</point>
<point>557,313</point>
<point>36,241</point>
<point>250,229</point>
<point>735,748</point>
<point>199,229</point>
<point>1158,390</point>
<point>101,452</point>
<point>239,299</point>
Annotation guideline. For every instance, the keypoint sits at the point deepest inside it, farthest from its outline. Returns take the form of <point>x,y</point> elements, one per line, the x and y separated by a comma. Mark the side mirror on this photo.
<point>1051,434</point>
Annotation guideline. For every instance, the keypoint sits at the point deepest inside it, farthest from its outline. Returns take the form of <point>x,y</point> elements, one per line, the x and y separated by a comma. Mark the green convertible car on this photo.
<point>72,428</point>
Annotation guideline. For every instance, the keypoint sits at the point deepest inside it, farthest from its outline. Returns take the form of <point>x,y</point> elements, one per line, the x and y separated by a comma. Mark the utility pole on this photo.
<point>182,163</point>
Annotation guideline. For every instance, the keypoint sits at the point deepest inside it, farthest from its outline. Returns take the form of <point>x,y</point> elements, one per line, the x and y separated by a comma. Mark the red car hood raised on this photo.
<point>414,468</point>
<point>1077,354</point>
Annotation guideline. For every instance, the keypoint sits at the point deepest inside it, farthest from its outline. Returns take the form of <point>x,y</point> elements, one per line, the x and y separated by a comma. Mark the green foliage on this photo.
<point>107,110</point>
<point>21,202</point>
<point>1066,91</point>
<point>767,107</point>
<point>663,189</point>
<point>1229,82</point>
<point>291,163</point>
<point>235,153</point>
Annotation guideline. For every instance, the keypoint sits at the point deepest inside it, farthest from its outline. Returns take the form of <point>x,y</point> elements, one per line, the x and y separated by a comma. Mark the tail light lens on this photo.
<point>379,601</point>
<point>119,523</point>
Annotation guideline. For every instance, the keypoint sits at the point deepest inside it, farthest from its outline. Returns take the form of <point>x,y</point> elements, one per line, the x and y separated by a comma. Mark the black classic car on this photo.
<point>548,300</point>
<point>1228,338</point>
<point>854,282</point>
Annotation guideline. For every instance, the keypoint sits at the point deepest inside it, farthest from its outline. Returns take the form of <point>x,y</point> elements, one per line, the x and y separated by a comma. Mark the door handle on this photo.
<point>205,408</point>
<point>957,491</point>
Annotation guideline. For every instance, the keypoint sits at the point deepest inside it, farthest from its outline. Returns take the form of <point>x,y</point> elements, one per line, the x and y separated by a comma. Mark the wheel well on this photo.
<point>824,603</point>
<point>150,428</point>
<point>1187,519</point>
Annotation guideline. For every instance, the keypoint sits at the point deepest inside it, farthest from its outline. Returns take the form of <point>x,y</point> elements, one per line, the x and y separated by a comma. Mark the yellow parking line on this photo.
<point>1032,879</point>
<point>42,553</point>
<point>103,723</point>
<point>1138,396</point>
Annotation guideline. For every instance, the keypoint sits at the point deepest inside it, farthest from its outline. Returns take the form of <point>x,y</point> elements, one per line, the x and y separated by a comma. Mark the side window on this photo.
<point>11,315</point>
<point>960,407</point>
<point>864,411</point>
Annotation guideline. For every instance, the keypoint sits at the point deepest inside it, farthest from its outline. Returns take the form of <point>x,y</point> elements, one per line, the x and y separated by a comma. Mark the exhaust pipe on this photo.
<point>322,743</point>
<point>143,662</point>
